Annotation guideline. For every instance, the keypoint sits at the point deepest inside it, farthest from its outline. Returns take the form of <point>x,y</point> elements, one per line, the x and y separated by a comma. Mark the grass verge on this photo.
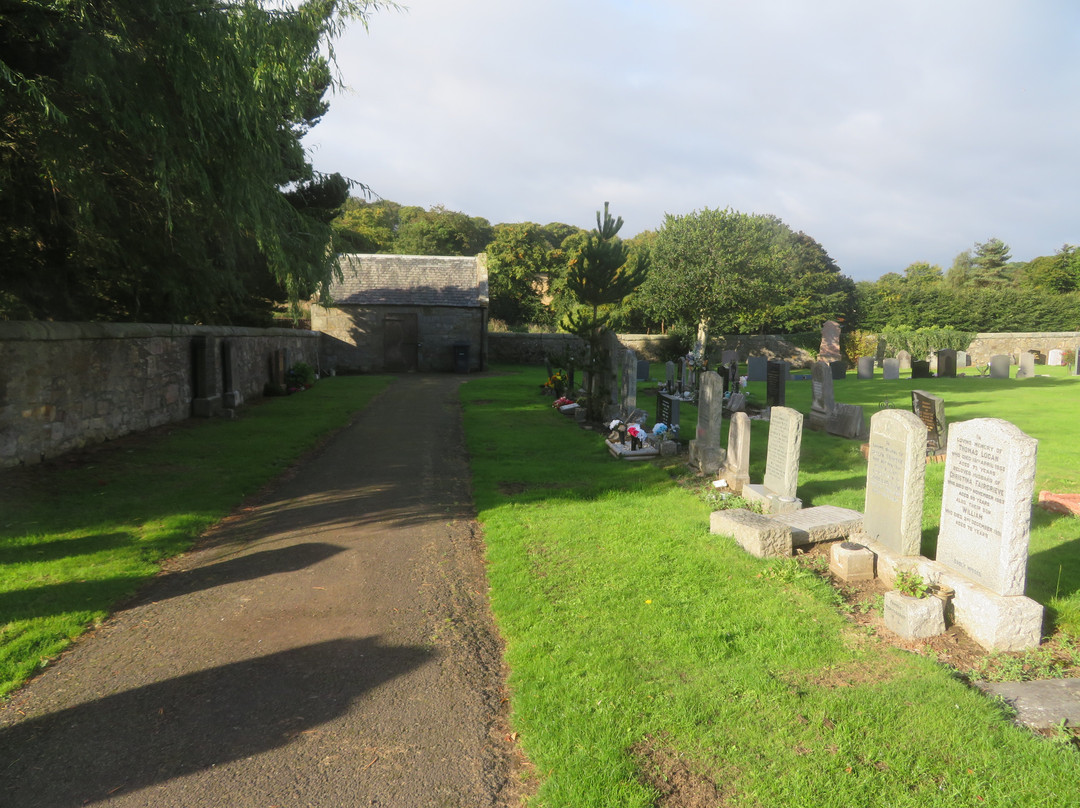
<point>79,535</point>
<point>636,639</point>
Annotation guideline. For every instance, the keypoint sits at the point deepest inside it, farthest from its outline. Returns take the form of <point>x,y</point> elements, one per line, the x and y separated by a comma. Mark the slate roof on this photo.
<point>411,280</point>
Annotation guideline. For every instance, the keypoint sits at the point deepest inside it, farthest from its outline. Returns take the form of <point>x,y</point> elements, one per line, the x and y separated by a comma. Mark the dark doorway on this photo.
<point>400,343</point>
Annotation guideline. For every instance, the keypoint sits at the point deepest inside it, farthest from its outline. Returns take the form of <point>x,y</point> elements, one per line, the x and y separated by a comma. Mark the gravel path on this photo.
<point>330,645</point>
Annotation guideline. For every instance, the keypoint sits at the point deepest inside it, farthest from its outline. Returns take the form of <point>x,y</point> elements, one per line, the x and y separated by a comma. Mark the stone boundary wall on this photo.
<point>67,385</point>
<point>987,345</point>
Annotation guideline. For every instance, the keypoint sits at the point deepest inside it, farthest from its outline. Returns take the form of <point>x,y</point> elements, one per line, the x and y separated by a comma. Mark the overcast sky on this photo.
<point>889,132</point>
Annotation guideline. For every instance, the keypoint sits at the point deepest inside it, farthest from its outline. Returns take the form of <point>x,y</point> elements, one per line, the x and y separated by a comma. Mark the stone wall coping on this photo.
<point>28,330</point>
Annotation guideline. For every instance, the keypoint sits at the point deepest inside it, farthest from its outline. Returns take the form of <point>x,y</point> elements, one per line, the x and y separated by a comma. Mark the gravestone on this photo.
<point>821,405</point>
<point>725,376</point>
<point>705,450</point>
<point>669,376</point>
<point>890,370</point>
<point>727,357</point>
<point>847,421</point>
<point>894,481</point>
<point>1040,357</point>
<point>775,384</point>
<point>986,504</point>
<point>756,368</point>
<point>905,360</point>
<point>667,410</point>
<point>1076,361</point>
<point>879,351</point>
<point>685,375</point>
<point>736,470</point>
<point>737,402</point>
<point>733,374</point>
<point>866,367</point>
<point>206,377</point>
<point>946,363</point>
<point>830,342</point>
<point>920,369</point>
<point>999,366</point>
<point>782,457</point>
<point>628,389</point>
<point>930,409</point>
<point>1027,366</point>
<point>231,397</point>
<point>838,370</point>
<point>643,370</point>
<point>962,360</point>
<point>1055,358</point>
<point>777,491</point>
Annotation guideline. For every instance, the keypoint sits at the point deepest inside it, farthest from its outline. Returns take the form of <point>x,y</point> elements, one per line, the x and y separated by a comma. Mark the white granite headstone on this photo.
<point>894,481</point>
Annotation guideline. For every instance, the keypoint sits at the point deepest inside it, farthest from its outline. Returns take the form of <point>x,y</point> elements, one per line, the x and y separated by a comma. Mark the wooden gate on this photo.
<point>400,342</point>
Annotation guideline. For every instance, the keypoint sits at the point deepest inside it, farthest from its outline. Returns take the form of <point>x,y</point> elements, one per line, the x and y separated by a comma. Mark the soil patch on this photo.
<point>679,781</point>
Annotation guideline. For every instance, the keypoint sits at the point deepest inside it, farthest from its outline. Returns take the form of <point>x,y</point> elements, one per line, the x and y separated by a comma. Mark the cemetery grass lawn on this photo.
<point>645,652</point>
<point>82,533</point>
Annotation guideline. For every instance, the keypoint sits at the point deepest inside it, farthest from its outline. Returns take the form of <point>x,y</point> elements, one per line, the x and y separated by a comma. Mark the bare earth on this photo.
<point>331,645</point>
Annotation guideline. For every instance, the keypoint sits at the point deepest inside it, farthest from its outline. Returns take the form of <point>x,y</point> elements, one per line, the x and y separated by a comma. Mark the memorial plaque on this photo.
<point>999,367</point>
<point>986,504</point>
<point>930,409</point>
<point>667,409</point>
<point>782,458</point>
<point>775,384</point>
<point>894,481</point>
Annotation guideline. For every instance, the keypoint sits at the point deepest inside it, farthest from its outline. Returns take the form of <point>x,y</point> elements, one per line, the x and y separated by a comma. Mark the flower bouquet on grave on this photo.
<point>637,435</point>
<point>617,431</point>
<point>562,401</point>
<point>557,383</point>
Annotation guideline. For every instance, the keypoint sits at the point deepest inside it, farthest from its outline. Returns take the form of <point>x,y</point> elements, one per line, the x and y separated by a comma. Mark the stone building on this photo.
<point>394,313</point>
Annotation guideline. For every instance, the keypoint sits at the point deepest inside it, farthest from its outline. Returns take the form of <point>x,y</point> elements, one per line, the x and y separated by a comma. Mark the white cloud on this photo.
<point>890,133</point>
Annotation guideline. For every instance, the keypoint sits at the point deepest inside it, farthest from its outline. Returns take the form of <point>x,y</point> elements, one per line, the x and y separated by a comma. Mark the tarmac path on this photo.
<point>331,645</point>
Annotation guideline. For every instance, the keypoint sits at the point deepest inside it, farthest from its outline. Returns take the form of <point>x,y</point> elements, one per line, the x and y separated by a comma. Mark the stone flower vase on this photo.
<point>914,617</point>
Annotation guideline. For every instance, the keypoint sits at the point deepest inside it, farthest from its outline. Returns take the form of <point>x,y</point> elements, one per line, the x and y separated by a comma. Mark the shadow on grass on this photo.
<point>103,594</point>
<point>64,548</point>
<point>156,733</point>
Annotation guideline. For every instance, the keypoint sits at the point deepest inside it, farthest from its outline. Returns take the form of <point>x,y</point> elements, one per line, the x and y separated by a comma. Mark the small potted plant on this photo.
<point>908,610</point>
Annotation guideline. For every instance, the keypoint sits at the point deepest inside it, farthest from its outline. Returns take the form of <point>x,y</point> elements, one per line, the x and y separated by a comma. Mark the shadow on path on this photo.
<point>124,742</point>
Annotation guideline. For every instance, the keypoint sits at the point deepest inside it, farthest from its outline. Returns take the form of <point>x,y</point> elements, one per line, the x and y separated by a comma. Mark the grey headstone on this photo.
<point>847,421</point>
<point>727,357</point>
<point>986,504</point>
<point>207,377</point>
<point>667,409</point>
<point>1027,366</point>
<point>782,459</point>
<point>905,360</point>
<point>822,403</point>
<point>1076,361</point>
<point>643,370</point>
<point>705,450</point>
<point>669,375</point>
<point>628,389</point>
<point>838,369</point>
<point>930,409</point>
<point>894,481</point>
<point>737,463</point>
<point>737,402</point>
<point>946,363</point>
<point>866,367</point>
<point>757,367</point>
<point>962,360</point>
<point>829,350</point>
<point>890,370</point>
<point>999,366</point>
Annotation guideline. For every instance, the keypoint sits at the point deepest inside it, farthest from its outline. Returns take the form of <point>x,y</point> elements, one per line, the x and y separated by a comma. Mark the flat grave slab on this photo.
<point>1040,705</point>
<point>623,451</point>
<point>821,523</point>
<point>758,535</point>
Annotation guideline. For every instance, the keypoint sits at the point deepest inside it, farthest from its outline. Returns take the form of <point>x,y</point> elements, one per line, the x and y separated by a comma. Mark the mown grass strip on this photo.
<point>630,629</point>
<point>76,539</point>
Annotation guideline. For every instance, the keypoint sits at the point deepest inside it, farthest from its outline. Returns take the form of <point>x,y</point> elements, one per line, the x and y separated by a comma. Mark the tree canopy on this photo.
<point>742,273</point>
<point>152,166</point>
